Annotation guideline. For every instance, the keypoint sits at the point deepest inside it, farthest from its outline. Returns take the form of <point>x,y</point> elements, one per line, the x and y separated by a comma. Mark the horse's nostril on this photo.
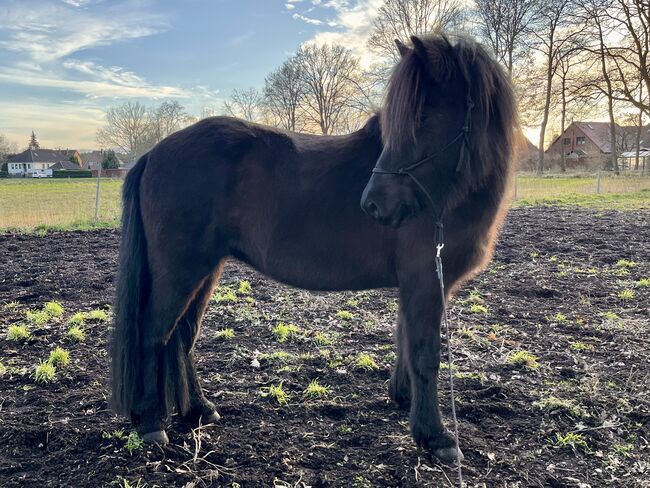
<point>372,209</point>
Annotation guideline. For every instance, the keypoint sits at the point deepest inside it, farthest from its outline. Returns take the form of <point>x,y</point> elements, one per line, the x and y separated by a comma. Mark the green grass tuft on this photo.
<point>524,359</point>
<point>225,295</point>
<point>37,317</point>
<point>76,334</point>
<point>365,362</point>
<point>344,315</point>
<point>59,357</point>
<point>285,332</point>
<point>643,283</point>
<point>44,373</point>
<point>572,440</point>
<point>316,390</point>
<point>277,393</point>
<point>96,316</point>
<point>553,404</point>
<point>53,309</point>
<point>626,295</point>
<point>477,308</point>
<point>77,319</point>
<point>225,334</point>
<point>624,263</point>
<point>18,332</point>
<point>244,287</point>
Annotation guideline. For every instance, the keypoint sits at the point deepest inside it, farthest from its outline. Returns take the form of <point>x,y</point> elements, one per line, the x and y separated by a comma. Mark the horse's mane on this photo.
<point>494,118</point>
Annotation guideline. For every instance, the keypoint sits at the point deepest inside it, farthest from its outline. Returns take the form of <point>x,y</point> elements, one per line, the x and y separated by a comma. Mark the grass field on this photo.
<point>41,205</point>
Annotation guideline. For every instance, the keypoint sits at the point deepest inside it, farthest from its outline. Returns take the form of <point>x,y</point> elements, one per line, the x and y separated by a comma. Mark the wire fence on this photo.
<point>531,187</point>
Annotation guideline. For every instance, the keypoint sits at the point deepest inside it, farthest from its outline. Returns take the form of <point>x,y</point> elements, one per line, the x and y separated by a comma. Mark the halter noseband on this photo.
<point>463,156</point>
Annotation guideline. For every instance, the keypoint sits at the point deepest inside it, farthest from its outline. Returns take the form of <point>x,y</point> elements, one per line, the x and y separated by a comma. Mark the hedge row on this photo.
<point>72,173</point>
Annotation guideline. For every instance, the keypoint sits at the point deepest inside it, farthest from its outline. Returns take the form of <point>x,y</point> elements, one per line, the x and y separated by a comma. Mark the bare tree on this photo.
<point>504,24</point>
<point>127,128</point>
<point>551,34</point>
<point>631,54</point>
<point>244,103</point>
<point>330,75</point>
<point>400,19</point>
<point>169,117</point>
<point>284,91</point>
<point>6,148</point>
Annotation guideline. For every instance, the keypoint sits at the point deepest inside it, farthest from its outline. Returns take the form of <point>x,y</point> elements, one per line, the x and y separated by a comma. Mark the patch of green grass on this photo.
<point>352,303</point>
<point>37,317</point>
<point>524,359</point>
<point>116,434</point>
<point>244,288</point>
<point>477,308</point>
<point>279,357</point>
<point>480,377</point>
<point>225,295</point>
<point>18,332</point>
<point>623,449</point>
<point>44,373</point>
<point>534,254</point>
<point>277,393</point>
<point>360,481</point>
<point>78,319</point>
<point>606,201</point>
<point>225,334</point>
<point>59,357</point>
<point>76,334</point>
<point>321,339</point>
<point>3,369</point>
<point>553,404</point>
<point>643,283</point>
<point>133,443</point>
<point>560,318</point>
<point>626,295</point>
<point>579,346</point>
<point>610,316</point>
<point>344,315</point>
<point>475,297</point>
<point>13,305</point>
<point>285,332</point>
<point>573,440</point>
<point>624,263</point>
<point>365,362</point>
<point>53,309</point>
<point>316,390</point>
<point>96,316</point>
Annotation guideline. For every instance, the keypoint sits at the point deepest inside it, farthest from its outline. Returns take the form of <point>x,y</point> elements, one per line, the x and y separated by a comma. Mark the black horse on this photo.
<point>288,205</point>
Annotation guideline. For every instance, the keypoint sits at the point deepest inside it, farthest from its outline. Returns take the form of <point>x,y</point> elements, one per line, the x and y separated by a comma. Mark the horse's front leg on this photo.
<point>421,310</point>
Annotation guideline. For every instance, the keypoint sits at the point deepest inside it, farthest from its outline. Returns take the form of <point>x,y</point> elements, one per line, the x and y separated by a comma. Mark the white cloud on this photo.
<point>289,6</point>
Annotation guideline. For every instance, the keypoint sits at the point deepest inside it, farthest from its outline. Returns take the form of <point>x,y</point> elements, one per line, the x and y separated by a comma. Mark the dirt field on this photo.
<point>573,413</point>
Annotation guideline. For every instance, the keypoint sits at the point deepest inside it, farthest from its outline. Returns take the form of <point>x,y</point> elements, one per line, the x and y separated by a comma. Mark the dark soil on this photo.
<point>552,290</point>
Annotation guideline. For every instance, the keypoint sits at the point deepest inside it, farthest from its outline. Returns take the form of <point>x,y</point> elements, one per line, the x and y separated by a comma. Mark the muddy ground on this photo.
<point>578,415</point>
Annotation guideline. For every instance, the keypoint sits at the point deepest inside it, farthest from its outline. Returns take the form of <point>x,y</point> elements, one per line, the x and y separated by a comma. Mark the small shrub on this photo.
<point>225,334</point>
<point>244,288</point>
<point>315,390</point>
<point>53,309</point>
<point>523,359</point>
<point>344,315</point>
<point>277,393</point>
<point>477,308</point>
<point>44,373</point>
<point>18,333</point>
<point>133,442</point>
<point>96,316</point>
<point>59,357</point>
<point>365,362</point>
<point>76,334</point>
<point>285,332</point>
<point>626,295</point>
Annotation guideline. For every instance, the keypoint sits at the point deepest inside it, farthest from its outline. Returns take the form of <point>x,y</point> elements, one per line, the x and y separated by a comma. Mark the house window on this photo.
<point>580,141</point>
<point>567,141</point>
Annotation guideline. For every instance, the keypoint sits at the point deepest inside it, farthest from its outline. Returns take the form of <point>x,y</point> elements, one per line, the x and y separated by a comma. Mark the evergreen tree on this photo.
<point>33,143</point>
<point>110,160</point>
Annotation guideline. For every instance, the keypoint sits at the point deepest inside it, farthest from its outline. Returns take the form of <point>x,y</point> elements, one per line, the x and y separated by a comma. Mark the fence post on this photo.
<point>598,183</point>
<point>516,185</point>
<point>99,174</point>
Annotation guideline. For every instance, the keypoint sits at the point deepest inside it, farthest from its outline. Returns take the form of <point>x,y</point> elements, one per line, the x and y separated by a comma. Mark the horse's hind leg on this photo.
<point>399,388</point>
<point>165,375</point>
<point>201,410</point>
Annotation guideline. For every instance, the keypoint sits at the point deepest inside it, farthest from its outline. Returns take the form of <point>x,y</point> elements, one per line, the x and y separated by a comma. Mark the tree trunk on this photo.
<point>547,107</point>
<point>563,122</point>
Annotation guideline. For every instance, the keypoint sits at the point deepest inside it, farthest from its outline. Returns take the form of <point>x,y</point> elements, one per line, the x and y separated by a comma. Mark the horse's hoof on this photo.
<point>156,437</point>
<point>448,455</point>
<point>210,418</point>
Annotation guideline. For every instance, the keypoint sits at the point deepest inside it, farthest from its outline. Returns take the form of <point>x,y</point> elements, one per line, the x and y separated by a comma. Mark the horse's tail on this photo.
<point>131,293</point>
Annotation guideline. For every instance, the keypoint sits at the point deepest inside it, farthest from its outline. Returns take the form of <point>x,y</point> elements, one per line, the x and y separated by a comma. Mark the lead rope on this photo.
<point>439,245</point>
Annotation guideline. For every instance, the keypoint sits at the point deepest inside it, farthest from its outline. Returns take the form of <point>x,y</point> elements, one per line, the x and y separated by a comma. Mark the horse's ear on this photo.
<point>402,48</point>
<point>435,61</point>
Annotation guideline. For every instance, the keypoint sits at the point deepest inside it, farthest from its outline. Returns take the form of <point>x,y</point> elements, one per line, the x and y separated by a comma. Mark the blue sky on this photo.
<point>63,62</point>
